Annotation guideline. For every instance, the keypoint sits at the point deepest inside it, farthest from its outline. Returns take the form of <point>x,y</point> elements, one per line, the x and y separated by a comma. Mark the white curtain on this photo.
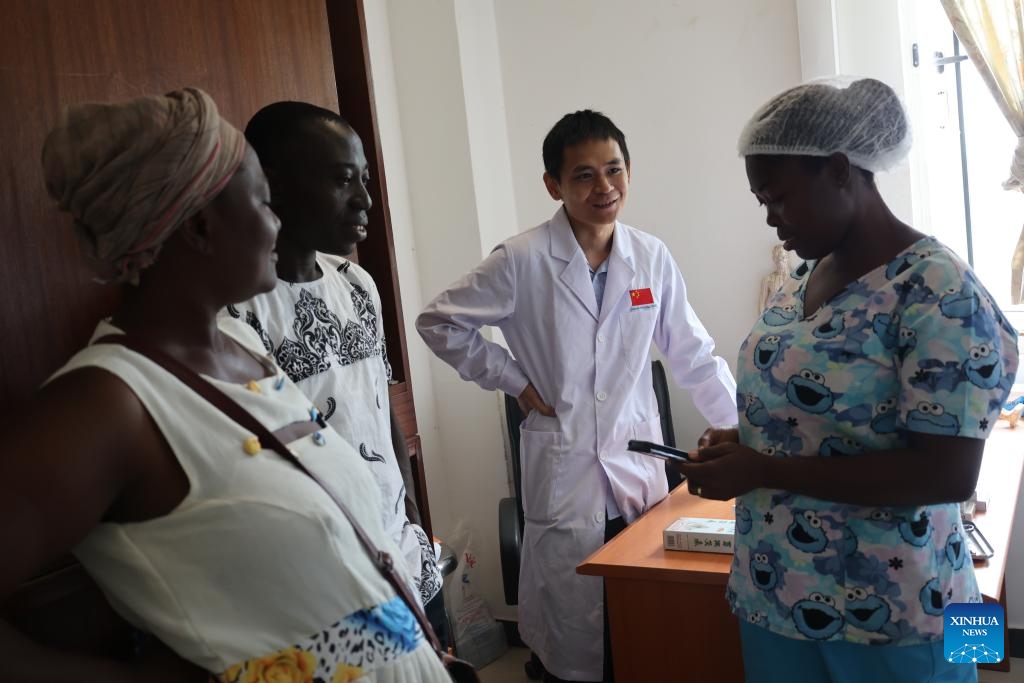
<point>992,31</point>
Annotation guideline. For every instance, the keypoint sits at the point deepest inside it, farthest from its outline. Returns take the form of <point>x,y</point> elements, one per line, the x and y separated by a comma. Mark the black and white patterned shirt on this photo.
<point>328,337</point>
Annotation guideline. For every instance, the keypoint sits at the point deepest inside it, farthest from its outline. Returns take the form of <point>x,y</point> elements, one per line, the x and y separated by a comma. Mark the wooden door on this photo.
<point>245,53</point>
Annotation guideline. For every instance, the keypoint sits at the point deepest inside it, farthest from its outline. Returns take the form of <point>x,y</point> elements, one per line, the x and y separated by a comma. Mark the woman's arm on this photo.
<point>67,458</point>
<point>932,469</point>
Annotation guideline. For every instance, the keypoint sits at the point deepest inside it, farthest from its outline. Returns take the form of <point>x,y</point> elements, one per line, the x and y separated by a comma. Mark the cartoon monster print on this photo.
<point>816,617</point>
<point>887,328</point>
<point>850,344</point>
<point>955,549</point>
<point>887,417</point>
<point>900,264</point>
<point>873,613</point>
<point>933,598</point>
<point>776,430</point>
<point>768,352</point>
<point>744,520</point>
<point>831,327</point>
<point>777,316</point>
<point>965,305</point>
<point>808,392</point>
<point>865,610</point>
<point>805,533</point>
<point>839,445</point>
<point>960,303</point>
<point>752,617</point>
<point>915,531</point>
<point>756,412</point>
<point>983,366</point>
<point>932,418</point>
<point>883,518</point>
<point>906,343</point>
<point>912,291</point>
<point>768,574</point>
<point>764,574</point>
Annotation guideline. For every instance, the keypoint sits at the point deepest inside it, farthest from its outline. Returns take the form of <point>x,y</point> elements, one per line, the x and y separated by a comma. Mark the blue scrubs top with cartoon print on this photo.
<point>916,345</point>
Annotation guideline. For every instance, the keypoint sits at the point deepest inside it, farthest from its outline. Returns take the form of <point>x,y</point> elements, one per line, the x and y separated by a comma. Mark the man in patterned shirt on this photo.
<point>322,321</point>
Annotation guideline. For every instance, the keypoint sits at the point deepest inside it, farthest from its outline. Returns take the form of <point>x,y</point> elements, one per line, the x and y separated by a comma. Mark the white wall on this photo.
<point>819,51</point>
<point>452,133</point>
<point>870,44</point>
<point>386,95</point>
<point>466,90</point>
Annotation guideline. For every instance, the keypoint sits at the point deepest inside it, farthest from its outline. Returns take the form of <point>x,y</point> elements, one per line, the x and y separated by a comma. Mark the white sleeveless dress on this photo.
<point>256,574</point>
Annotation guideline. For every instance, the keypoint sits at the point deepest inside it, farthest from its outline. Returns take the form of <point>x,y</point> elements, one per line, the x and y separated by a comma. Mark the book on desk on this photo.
<point>700,535</point>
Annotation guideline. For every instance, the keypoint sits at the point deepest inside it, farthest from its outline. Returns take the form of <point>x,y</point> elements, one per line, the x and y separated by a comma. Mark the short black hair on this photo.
<point>572,129</point>
<point>279,123</point>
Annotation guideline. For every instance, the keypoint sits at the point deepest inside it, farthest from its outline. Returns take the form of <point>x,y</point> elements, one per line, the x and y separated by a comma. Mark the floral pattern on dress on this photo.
<point>345,651</point>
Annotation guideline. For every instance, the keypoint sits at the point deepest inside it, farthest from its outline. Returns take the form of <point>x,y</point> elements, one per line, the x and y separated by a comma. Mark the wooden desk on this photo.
<point>1000,478</point>
<point>667,611</point>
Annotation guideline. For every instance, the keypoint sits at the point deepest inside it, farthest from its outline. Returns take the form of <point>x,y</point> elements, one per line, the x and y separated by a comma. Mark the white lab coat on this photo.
<point>595,370</point>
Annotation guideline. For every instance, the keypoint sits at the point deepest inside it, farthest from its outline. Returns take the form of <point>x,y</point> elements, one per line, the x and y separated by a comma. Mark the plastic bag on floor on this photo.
<point>479,639</point>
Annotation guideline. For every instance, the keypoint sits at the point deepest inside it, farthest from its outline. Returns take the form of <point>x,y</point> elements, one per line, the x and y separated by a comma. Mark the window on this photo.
<point>960,168</point>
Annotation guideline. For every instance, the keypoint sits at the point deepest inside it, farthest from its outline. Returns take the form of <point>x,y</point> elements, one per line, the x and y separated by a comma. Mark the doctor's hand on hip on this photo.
<point>724,470</point>
<point>530,400</point>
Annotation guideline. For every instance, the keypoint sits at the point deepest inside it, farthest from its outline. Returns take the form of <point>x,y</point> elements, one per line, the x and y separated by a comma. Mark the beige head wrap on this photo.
<point>130,173</point>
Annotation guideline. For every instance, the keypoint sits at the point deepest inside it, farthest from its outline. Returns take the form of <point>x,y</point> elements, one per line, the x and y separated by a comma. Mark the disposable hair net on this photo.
<point>863,119</point>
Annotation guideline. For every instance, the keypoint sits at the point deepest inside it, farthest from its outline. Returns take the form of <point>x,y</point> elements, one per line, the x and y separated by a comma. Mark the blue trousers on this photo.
<point>771,658</point>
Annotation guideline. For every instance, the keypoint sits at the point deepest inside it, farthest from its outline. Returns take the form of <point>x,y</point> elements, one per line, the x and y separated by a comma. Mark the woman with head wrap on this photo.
<point>866,391</point>
<point>196,531</point>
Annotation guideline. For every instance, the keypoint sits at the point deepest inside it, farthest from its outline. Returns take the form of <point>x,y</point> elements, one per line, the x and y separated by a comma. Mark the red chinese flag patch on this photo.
<point>641,297</point>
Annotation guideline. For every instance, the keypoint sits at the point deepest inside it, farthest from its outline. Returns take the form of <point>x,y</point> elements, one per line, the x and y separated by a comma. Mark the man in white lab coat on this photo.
<point>579,299</point>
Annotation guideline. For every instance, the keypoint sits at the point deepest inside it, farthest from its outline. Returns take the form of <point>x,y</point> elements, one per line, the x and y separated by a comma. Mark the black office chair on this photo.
<point>510,510</point>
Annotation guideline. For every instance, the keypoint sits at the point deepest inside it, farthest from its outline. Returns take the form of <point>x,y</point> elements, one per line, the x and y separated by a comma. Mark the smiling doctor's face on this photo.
<point>593,184</point>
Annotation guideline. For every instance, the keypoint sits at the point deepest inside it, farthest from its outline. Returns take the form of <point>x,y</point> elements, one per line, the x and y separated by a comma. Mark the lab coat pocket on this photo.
<point>541,458</point>
<point>636,325</point>
<point>655,485</point>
